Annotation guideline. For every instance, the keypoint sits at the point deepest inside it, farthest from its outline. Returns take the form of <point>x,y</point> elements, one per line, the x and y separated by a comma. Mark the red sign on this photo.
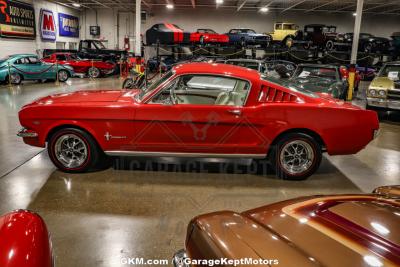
<point>47,25</point>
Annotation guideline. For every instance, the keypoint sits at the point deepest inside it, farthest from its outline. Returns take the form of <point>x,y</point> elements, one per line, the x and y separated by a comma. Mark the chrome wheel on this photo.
<point>94,72</point>
<point>296,157</point>
<point>71,151</point>
<point>62,75</point>
<point>15,78</point>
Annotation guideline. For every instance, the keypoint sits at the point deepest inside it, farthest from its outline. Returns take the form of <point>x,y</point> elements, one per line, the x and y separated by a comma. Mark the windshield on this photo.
<point>154,85</point>
<point>315,72</point>
<point>99,45</point>
<point>391,72</point>
<point>290,85</point>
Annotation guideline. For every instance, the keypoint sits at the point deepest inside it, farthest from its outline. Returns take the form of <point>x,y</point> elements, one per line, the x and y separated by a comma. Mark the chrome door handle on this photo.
<point>235,111</point>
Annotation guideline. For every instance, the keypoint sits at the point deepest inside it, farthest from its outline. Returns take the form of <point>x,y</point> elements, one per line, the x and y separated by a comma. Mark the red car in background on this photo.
<point>24,240</point>
<point>203,36</point>
<point>199,110</point>
<point>92,68</point>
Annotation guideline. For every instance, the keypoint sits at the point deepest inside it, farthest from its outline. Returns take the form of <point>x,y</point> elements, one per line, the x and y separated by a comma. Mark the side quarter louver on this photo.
<point>270,95</point>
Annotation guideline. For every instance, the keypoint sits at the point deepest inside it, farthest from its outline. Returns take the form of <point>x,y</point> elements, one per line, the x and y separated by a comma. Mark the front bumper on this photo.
<point>24,133</point>
<point>383,103</point>
<point>178,259</point>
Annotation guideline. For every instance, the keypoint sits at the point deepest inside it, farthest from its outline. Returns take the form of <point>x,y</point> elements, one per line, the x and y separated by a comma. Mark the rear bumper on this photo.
<point>383,103</point>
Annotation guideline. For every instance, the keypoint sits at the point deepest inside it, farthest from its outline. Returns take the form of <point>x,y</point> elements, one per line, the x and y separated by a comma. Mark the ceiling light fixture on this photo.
<point>264,9</point>
<point>170,6</point>
<point>76,4</point>
<point>219,2</point>
<point>354,14</point>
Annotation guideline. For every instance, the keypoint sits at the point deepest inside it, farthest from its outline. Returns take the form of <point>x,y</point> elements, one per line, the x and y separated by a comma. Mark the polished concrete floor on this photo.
<point>96,219</point>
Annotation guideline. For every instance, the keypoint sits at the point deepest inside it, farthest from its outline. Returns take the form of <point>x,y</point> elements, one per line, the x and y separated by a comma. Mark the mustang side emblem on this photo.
<point>108,136</point>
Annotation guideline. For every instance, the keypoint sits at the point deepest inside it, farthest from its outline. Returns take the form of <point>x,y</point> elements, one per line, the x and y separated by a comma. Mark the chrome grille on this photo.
<point>393,94</point>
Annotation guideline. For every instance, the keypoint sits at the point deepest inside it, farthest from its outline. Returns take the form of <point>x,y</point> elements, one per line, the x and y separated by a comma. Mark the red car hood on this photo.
<point>24,240</point>
<point>83,96</point>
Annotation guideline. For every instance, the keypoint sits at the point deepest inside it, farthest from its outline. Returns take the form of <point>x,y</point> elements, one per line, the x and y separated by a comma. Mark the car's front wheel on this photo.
<point>94,72</point>
<point>16,78</point>
<point>73,150</point>
<point>295,156</point>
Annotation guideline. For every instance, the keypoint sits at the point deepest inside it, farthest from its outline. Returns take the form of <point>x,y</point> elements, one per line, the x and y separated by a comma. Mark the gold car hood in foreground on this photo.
<point>382,83</point>
<point>341,230</point>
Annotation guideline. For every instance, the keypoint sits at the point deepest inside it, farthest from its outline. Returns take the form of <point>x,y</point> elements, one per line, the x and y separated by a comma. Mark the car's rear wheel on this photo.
<point>295,156</point>
<point>288,42</point>
<point>63,75</point>
<point>73,150</point>
<point>94,72</point>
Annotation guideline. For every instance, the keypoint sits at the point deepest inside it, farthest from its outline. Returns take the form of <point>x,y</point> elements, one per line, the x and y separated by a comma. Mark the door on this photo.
<point>30,67</point>
<point>193,114</point>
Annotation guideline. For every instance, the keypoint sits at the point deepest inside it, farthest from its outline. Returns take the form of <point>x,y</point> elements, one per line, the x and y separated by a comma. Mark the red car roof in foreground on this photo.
<point>217,68</point>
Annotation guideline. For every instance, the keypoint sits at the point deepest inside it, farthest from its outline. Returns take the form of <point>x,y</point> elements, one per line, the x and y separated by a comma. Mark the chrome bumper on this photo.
<point>178,259</point>
<point>26,133</point>
<point>383,103</point>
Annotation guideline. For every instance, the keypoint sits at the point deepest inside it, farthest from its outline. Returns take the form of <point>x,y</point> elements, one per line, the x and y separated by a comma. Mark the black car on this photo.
<point>166,33</point>
<point>320,35</point>
<point>368,43</point>
<point>244,37</point>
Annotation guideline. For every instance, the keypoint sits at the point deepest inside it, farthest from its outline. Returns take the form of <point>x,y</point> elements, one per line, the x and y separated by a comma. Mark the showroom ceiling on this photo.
<point>332,6</point>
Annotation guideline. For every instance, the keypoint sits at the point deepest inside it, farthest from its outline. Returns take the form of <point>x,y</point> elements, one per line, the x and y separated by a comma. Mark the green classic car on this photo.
<point>384,90</point>
<point>29,67</point>
<point>317,78</point>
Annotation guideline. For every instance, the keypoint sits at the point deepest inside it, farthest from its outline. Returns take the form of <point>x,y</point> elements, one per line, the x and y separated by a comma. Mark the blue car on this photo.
<point>244,37</point>
<point>29,67</point>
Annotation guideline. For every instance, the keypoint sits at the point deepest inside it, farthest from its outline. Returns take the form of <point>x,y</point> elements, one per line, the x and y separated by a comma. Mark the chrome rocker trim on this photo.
<point>181,154</point>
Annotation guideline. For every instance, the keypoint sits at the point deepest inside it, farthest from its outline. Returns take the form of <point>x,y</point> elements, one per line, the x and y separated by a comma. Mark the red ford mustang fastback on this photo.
<point>199,110</point>
<point>92,68</point>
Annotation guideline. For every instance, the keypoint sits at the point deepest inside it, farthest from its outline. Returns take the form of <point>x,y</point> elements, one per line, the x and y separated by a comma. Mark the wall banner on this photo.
<point>17,20</point>
<point>47,25</point>
<point>68,25</point>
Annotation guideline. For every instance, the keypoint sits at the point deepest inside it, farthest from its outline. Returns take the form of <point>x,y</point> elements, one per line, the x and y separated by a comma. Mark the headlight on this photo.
<point>372,92</point>
<point>382,93</point>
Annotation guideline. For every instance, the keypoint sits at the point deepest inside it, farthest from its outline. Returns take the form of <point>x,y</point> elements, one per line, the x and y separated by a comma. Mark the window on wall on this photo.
<point>72,45</point>
<point>60,45</point>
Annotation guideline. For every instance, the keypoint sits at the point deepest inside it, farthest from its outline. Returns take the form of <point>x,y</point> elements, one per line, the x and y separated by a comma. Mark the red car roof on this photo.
<point>217,68</point>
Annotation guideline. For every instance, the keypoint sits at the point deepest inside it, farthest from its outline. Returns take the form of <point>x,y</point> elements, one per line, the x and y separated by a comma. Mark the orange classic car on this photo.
<point>338,230</point>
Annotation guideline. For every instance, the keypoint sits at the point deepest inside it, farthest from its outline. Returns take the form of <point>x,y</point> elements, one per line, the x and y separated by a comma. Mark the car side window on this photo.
<point>61,57</point>
<point>199,89</point>
<point>33,60</point>
<point>278,26</point>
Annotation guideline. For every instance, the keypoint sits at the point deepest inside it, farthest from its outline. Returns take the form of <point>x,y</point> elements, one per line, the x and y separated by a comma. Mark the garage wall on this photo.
<point>15,46</point>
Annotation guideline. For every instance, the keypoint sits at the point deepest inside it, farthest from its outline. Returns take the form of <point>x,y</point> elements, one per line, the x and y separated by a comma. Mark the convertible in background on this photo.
<point>29,67</point>
<point>24,240</point>
<point>167,33</point>
<point>335,230</point>
<point>206,36</point>
<point>204,110</point>
<point>91,68</point>
<point>328,79</point>
<point>244,37</point>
